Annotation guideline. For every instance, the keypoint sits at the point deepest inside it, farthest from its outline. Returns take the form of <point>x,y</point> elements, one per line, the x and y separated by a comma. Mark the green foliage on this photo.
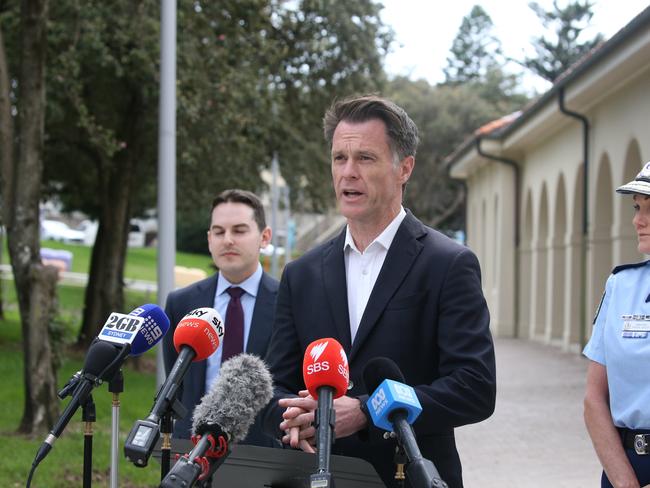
<point>445,116</point>
<point>331,50</point>
<point>255,77</point>
<point>475,50</point>
<point>477,89</point>
<point>555,54</point>
<point>102,100</point>
<point>191,231</point>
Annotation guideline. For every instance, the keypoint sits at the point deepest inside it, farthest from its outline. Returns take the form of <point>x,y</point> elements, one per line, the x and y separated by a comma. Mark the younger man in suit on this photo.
<point>237,232</point>
<point>386,286</point>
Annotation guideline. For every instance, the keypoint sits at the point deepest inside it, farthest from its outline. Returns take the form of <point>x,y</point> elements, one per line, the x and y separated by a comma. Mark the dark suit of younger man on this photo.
<point>201,294</point>
<point>426,312</point>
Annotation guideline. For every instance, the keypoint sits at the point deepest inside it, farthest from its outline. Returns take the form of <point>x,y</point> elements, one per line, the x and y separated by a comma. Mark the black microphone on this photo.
<point>196,337</point>
<point>223,417</point>
<point>120,336</point>
<point>394,404</point>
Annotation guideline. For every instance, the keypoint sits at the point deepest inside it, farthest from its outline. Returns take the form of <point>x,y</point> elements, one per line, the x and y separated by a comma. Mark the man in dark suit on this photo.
<point>386,286</point>
<point>237,233</point>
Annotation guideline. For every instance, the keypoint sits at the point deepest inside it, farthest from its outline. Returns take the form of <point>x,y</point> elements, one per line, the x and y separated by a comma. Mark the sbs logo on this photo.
<point>318,350</point>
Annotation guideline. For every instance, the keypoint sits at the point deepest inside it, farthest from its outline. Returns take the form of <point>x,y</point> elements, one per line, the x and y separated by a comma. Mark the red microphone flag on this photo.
<point>326,364</point>
<point>202,330</point>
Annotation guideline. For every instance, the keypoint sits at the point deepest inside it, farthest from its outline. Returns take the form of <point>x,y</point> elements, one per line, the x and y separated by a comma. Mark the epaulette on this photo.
<point>629,266</point>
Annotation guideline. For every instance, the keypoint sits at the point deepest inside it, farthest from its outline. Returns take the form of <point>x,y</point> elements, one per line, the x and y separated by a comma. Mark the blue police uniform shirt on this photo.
<point>221,299</point>
<point>620,341</point>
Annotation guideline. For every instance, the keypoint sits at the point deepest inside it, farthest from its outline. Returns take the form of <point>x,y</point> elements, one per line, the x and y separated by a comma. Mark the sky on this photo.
<point>425,30</point>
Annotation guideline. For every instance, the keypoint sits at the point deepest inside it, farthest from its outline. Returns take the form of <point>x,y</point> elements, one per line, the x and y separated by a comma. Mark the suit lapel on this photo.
<point>204,298</point>
<point>261,325</point>
<point>400,257</point>
<point>333,272</point>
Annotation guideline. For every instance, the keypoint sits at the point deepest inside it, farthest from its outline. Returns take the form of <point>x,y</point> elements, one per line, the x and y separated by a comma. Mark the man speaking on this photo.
<point>386,286</point>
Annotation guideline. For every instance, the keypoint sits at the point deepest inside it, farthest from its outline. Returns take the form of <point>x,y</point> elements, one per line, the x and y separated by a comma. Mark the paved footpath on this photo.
<point>536,437</point>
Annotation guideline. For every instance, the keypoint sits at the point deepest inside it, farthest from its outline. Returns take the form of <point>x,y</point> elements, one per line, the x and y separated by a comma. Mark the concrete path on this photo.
<point>536,437</point>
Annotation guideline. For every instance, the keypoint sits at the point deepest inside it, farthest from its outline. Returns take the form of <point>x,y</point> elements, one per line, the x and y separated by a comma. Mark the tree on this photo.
<point>254,77</point>
<point>566,45</point>
<point>101,131</point>
<point>268,70</point>
<point>21,185</point>
<point>330,50</point>
<point>476,90</point>
<point>445,115</point>
<point>475,50</point>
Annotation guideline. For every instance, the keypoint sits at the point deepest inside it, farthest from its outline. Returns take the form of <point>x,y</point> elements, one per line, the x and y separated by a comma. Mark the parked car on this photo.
<point>60,231</point>
<point>136,233</point>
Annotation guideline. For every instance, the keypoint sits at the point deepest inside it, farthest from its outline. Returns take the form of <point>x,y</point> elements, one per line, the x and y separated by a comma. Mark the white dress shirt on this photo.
<point>362,268</point>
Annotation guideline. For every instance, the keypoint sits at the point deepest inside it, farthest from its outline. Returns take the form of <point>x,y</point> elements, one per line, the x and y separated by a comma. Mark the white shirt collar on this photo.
<point>384,239</point>
<point>249,285</point>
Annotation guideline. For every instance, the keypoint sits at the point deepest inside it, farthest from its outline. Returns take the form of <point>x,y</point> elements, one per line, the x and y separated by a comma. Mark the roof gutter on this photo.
<point>515,168</point>
<point>585,210</point>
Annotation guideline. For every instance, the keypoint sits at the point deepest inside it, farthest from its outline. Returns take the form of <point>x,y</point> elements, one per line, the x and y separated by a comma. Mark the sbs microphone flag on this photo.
<point>326,375</point>
<point>326,364</point>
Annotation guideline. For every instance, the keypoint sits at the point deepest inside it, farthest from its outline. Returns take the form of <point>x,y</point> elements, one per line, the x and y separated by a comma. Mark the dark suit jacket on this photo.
<point>426,312</point>
<point>201,294</point>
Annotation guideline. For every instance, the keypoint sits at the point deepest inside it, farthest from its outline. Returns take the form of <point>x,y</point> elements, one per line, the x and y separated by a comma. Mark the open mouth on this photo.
<point>351,193</point>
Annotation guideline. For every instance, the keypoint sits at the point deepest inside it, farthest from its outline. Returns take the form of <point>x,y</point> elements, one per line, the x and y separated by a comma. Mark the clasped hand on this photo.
<point>298,419</point>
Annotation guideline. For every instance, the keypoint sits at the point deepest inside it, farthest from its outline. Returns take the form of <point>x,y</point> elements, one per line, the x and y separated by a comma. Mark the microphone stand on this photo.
<point>421,472</point>
<point>166,429</point>
<point>115,386</point>
<point>324,421</point>
<point>400,461</point>
<point>88,416</point>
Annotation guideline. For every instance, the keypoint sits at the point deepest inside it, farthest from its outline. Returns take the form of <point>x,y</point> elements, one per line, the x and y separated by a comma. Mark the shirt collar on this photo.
<point>249,285</point>
<point>384,239</point>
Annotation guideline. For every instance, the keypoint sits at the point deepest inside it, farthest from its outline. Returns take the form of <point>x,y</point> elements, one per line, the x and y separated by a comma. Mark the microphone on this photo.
<point>326,374</point>
<point>196,337</point>
<point>394,406</point>
<point>120,336</point>
<point>223,417</point>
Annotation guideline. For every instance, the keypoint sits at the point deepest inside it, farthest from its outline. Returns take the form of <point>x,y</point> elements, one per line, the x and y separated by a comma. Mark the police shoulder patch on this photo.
<point>629,266</point>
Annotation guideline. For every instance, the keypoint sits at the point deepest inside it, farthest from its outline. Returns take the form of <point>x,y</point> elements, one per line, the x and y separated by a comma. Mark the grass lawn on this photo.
<point>141,263</point>
<point>63,467</point>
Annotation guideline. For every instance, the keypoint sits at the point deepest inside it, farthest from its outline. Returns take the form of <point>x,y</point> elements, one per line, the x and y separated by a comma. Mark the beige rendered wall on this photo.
<point>549,284</point>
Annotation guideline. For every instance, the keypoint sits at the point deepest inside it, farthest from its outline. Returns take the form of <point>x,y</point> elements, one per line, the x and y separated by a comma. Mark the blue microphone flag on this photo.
<point>390,396</point>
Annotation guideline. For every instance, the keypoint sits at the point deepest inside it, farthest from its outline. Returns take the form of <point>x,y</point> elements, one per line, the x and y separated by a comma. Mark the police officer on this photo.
<point>617,398</point>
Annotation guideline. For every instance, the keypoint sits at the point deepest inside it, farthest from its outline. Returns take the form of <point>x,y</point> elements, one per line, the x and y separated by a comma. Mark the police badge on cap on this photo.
<point>640,184</point>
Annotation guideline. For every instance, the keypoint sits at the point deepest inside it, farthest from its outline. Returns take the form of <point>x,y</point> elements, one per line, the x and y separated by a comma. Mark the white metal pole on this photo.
<point>166,161</point>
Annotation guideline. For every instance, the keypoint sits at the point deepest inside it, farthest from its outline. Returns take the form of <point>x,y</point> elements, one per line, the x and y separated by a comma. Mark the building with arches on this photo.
<point>542,213</point>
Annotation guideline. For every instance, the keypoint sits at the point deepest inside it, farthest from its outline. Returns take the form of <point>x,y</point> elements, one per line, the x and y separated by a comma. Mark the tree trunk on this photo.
<point>104,293</point>
<point>6,149</point>
<point>105,290</point>
<point>450,210</point>
<point>35,284</point>
<point>41,403</point>
<point>6,129</point>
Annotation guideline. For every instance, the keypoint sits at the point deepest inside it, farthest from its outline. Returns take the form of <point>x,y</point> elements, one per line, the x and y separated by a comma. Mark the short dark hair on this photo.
<point>401,130</point>
<point>245,197</point>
